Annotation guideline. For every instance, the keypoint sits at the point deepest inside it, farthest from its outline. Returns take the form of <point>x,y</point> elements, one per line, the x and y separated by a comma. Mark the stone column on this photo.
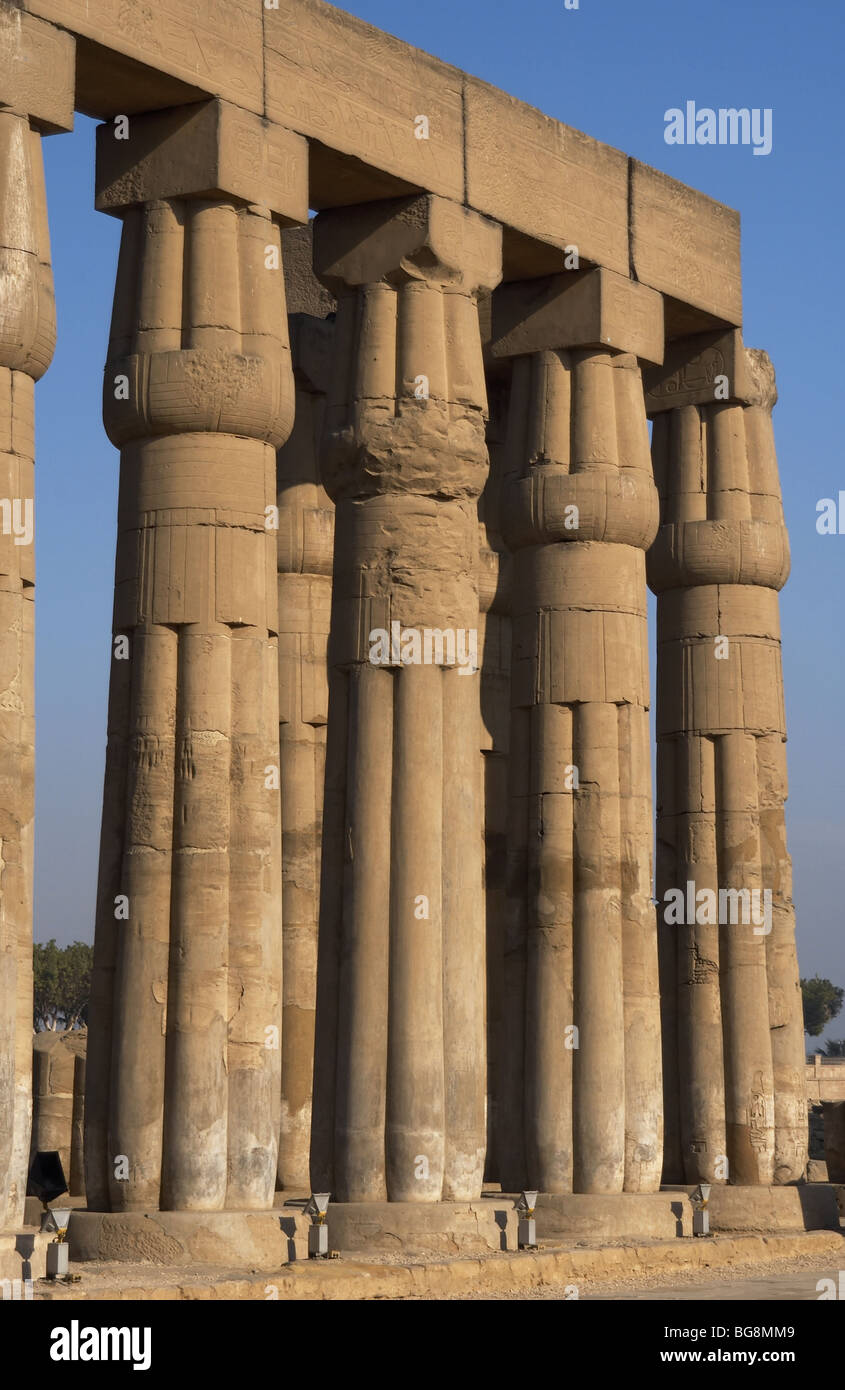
<point>733,1023</point>
<point>306,541</point>
<point>579,511</point>
<point>58,1100</point>
<point>198,395</point>
<point>401,1056</point>
<point>494,648</point>
<point>37,77</point>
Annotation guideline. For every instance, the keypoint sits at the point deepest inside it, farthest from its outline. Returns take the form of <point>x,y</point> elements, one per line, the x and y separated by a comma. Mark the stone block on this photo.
<point>359,92</point>
<point>626,1215</point>
<point>596,309</point>
<point>690,371</point>
<point>686,245</point>
<point>817,1171</point>
<point>372,242</point>
<point>58,1098</point>
<point>424,1228</point>
<point>544,179</point>
<point>796,1207</point>
<point>256,1239</point>
<point>210,149</point>
<point>303,292</point>
<point>215,46</point>
<point>37,70</point>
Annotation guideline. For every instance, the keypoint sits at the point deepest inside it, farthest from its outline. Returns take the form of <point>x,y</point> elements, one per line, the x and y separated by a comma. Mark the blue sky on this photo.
<point>611,68</point>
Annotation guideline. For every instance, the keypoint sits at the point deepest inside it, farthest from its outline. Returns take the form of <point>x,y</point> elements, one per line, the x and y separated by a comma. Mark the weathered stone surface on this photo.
<point>244,658</point>
<point>639,1216</point>
<point>762,1208</point>
<point>37,75</point>
<point>545,179</point>
<point>358,94</point>
<point>685,245</point>
<point>208,150</point>
<point>58,1101</point>
<point>359,91</point>
<point>342,1280</point>
<point>422,1229</point>
<point>217,49</point>
<point>578,473</point>
<point>596,308</point>
<point>27,338</point>
<point>698,371</point>
<point>260,1240</point>
<point>732,1022</point>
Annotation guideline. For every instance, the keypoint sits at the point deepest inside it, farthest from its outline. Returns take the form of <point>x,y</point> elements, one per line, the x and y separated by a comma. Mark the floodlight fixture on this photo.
<point>318,1232</point>
<point>46,1176</point>
<point>527,1232</point>
<point>700,1214</point>
<point>317,1206</point>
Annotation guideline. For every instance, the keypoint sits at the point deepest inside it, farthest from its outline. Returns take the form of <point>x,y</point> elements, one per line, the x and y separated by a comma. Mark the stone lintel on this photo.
<point>596,309</point>
<point>693,370</point>
<point>37,70</point>
<point>548,181</point>
<point>418,238</point>
<point>209,149</point>
<point>685,244</point>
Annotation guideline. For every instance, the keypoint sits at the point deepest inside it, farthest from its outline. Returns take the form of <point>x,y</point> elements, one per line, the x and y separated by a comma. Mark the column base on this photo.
<point>423,1228</point>
<point>614,1216</point>
<point>793,1207</point>
<point>235,1239</point>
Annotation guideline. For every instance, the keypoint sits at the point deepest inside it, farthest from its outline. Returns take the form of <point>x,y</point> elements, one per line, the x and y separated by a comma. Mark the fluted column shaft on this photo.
<point>305,548</point>
<point>579,510</point>
<point>494,648</point>
<point>733,1024</point>
<point>36,90</point>
<point>400,1034</point>
<point>186,1000</point>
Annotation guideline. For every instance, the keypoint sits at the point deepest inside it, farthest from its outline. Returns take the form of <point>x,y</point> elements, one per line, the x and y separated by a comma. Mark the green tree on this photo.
<point>835,1048</point>
<point>61,984</point>
<point>822,1002</point>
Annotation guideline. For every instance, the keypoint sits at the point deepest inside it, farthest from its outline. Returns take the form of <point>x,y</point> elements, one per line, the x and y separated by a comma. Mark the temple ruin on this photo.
<point>370,923</point>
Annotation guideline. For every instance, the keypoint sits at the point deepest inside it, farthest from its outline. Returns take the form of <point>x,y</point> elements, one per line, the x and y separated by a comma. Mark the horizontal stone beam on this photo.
<point>37,70</point>
<point>384,119</point>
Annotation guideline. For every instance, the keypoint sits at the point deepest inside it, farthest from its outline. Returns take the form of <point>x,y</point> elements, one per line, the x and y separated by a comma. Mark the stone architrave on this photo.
<point>184,1063</point>
<point>36,98</point>
<point>400,1072</point>
<point>579,510</point>
<point>730,995</point>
